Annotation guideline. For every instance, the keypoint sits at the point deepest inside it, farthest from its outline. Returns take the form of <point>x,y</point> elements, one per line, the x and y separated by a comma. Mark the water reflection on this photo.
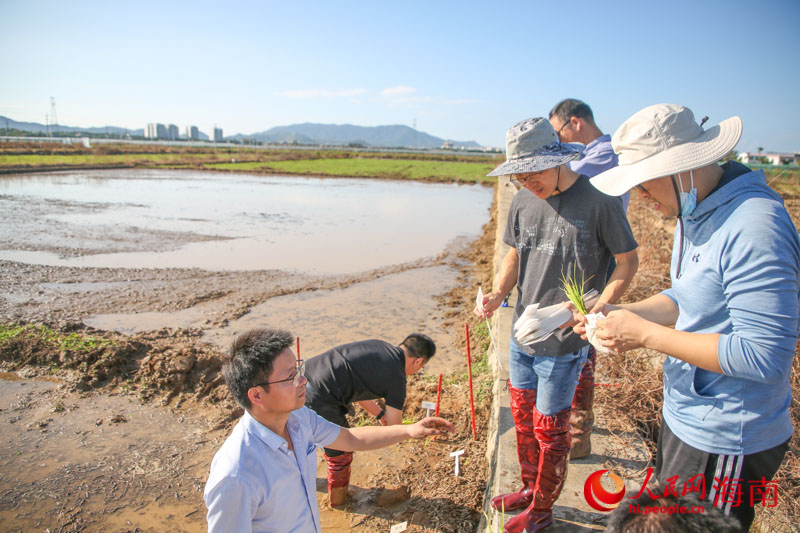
<point>253,222</point>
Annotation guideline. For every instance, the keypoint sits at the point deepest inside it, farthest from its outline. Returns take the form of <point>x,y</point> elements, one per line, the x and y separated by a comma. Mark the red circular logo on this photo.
<point>593,491</point>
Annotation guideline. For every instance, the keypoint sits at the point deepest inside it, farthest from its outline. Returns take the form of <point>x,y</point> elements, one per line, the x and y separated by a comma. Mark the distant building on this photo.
<point>172,132</point>
<point>774,158</point>
<point>448,145</point>
<point>156,131</point>
<point>192,133</point>
<point>217,135</point>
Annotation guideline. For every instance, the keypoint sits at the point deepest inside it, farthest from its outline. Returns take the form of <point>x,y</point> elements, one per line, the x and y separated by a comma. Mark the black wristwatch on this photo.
<point>380,415</point>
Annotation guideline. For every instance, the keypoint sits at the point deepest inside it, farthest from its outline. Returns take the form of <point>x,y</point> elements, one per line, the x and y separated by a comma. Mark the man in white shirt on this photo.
<point>263,477</point>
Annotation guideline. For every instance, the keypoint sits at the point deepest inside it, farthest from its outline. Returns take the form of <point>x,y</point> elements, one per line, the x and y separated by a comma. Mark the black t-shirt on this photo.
<point>579,231</point>
<point>363,370</point>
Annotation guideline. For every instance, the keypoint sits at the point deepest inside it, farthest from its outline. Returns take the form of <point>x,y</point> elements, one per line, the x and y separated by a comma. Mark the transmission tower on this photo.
<point>53,117</point>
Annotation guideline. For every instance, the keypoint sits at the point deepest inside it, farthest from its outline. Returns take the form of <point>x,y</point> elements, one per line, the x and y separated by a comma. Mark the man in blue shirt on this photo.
<point>263,478</point>
<point>574,122</point>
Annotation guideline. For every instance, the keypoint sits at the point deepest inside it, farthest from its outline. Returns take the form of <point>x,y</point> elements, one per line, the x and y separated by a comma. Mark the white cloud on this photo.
<point>462,101</point>
<point>412,100</point>
<point>400,90</point>
<point>323,93</point>
<point>403,94</point>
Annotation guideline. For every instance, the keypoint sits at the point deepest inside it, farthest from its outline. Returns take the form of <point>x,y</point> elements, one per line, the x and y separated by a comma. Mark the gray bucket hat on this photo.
<point>532,146</point>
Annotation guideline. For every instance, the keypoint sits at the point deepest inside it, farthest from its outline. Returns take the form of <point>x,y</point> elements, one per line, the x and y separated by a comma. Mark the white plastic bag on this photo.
<point>591,332</point>
<point>535,324</point>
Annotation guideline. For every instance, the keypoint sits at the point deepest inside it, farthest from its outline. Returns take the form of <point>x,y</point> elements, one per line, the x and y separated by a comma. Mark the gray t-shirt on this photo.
<point>580,225</point>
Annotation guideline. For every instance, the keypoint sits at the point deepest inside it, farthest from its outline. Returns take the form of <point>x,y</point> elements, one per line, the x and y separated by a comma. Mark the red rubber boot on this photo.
<point>582,418</point>
<point>338,478</point>
<point>552,432</point>
<point>522,404</point>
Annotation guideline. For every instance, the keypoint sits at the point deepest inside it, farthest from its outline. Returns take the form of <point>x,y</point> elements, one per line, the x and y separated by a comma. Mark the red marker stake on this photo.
<point>298,348</point>
<point>438,396</point>
<point>469,368</point>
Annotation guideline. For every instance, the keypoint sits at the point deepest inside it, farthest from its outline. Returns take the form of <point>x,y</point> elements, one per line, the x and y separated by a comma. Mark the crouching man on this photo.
<point>263,478</point>
<point>362,372</point>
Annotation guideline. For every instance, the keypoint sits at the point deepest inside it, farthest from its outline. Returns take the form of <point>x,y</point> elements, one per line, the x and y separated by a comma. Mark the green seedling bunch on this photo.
<point>574,289</point>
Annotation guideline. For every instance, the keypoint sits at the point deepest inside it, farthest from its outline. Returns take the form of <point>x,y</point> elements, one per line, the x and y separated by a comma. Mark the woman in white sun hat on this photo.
<point>734,304</point>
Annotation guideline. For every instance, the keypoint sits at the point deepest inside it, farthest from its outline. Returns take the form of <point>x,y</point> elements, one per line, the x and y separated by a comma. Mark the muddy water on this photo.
<point>216,221</point>
<point>386,308</point>
<point>98,458</point>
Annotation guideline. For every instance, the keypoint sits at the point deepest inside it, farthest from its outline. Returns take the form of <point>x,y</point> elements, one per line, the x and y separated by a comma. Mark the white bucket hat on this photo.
<point>532,146</point>
<point>661,140</point>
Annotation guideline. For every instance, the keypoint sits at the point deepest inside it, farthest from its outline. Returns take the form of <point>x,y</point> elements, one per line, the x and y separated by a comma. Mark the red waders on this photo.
<point>582,418</point>
<point>543,450</point>
<point>338,477</point>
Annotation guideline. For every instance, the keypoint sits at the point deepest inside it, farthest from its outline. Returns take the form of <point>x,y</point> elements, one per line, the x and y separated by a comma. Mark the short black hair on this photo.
<point>572,107</point>
<point>251,360</point>
<point>419,345</point>
<point>623,520</point>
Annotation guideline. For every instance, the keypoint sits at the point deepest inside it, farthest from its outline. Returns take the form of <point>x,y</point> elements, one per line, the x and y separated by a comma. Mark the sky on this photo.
<point>457,70</point>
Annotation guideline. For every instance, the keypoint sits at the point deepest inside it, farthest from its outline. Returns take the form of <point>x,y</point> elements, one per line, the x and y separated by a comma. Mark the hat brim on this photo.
<point>711,146</point>
<point>537,163</point>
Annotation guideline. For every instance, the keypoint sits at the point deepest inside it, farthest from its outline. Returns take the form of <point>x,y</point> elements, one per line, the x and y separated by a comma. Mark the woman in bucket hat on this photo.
<point>557,223</point>
<point>734,303</point>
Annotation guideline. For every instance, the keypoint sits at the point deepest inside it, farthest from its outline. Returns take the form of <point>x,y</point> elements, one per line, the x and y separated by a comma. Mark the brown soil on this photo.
<point>120,437</point>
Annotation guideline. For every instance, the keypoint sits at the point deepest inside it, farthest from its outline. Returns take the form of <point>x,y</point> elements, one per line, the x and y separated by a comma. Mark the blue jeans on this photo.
<point>554,377</point>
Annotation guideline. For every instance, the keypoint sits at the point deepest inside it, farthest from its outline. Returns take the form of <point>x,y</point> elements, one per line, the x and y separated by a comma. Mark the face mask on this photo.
<point>688,199</point>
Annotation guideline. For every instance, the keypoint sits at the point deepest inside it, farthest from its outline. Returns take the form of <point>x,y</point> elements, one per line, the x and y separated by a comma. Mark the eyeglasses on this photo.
<point>521,181</point>
<point>564,125</point>
<point>298,376</point>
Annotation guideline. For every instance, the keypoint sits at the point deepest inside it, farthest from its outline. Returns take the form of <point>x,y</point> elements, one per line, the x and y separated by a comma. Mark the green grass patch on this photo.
<point>413,166</point>
<point>74,342</point>
<point>372,168</point>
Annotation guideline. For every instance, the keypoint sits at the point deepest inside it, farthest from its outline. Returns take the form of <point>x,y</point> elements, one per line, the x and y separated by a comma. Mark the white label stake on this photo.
<point>428,406</point>
<point>399,528</point>
<point>456,454</point>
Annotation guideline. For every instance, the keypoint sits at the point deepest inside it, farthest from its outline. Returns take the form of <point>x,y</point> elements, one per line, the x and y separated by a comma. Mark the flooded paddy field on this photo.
<point>173,264</point>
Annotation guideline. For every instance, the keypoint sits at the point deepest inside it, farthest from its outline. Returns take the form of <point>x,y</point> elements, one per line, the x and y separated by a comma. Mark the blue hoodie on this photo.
<point>740,277</point>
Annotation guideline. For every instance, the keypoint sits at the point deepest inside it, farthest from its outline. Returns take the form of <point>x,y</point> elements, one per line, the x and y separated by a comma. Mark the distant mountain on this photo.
<point>346,134</point>
<point>331,134</point>
<point>35,127</point>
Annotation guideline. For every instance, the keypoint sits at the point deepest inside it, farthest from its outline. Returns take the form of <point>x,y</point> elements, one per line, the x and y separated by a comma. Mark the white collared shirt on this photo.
<point>258,484</point>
